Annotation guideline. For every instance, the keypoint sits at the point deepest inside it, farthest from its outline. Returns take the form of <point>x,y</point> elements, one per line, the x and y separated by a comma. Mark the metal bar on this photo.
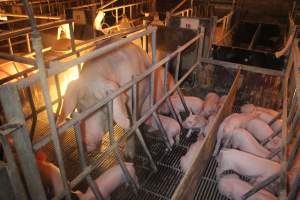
<point>59,96</point>
<point>200,45</point>
<point>129,179</point>
<point>178,6</point>
<point>11,51</point>
<point>261,185</point>
<point>73,45</point>
<point>162,130</point>
<point>37,46</point>
<point>138,132</point>
<point>254,38</point>
<point>18,188</point>
<point>169,103</point>
<point>83,163</point>
<point>28,43</point>
<point>292,129</point>
<point>12,107</point>
<point>177,67</point>
<point>15,58</point>
<point>26,16</point>
<point>117,92</point>
<point>294,189</point>
<point>26,30</point>
<point>293,154</point>
<point>274,153</point>
<point>249,68</point>
<point>278,116</point>
<point>33,111</point>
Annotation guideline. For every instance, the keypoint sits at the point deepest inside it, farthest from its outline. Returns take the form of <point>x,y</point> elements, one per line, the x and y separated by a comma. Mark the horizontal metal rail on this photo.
<point>56,67</point>
<point>26,16</point>
<point>41,27</point>
<point>249,68</point>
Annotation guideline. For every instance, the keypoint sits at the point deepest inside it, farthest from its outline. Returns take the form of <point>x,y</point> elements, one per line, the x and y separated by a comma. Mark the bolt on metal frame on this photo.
<point>9,96</point>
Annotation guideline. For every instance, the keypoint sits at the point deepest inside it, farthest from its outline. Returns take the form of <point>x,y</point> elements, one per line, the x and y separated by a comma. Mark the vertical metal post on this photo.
<point>117,154</point>
<point>177,67</point>
<point>292,130</point>
<point>117,16</point>
<point>83,164</point>
<point>73,45</point>
<point>33,110</point>
<point>12,107</point>
<point>152,85</point>
<point>28,43</point>
<point>169,103</point>
<point>37,46</point>
<point>11,51</point>
<point>294,188</point>
<point>200,45</point>
<point>138,132</point>
<point>18,188</point>
<point>144,41</point>
<point>58,90</point>
<point>130,12</point>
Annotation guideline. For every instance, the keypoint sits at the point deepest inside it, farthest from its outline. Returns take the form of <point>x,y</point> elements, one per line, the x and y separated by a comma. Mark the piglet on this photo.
<point>246,164</point>
<point>210,123</point>
<point>265,116</point>
<point>195,121</point>
<point>109,181</point>
<point>170,125</point>
<point>259,129</point>
<point>187,160</point>
<point>233,121</point>
<point>234,188</point>
<point>251,108</point>
<point>194,104</point>
<point>244,141</point>
<point>211,104</point>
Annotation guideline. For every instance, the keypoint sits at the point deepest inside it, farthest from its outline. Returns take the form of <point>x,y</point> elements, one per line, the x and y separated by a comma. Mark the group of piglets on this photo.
<point>240,137</point>
<point>202,122</point>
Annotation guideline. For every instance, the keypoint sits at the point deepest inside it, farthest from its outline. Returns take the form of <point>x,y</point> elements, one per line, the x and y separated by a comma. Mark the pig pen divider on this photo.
<point>13,110</point>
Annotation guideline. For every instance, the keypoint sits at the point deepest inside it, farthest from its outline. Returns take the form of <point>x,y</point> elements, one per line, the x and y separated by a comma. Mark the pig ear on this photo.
<point>70,98</point>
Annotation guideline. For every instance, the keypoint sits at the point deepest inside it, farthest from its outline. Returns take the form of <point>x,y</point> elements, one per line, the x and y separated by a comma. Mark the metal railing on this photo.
<point>15,118</point>
<point>184,13</point>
